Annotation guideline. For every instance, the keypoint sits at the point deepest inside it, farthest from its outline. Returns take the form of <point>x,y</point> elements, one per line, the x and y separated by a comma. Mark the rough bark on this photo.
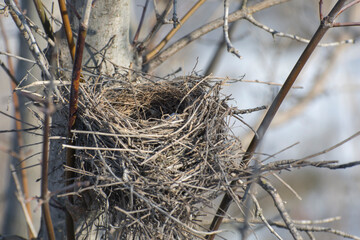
<point>108,36</point>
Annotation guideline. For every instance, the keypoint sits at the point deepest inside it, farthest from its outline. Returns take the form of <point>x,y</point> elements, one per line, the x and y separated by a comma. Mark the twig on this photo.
<point>8,72</point>
<point>17,57</point>
<point>155,61</point>
<point>39,31</point>
<point>324,26</point>
<point>287,185</point>
<point>167,38</point>
<point>175,18</point>
<point>21,199</point>
<point>218,53</point>
<point>320,221</point>
<point>67,28</point>
<point>25,30</point>
<point>276,33</point>
<point>136,36</point>
<point>262,217</point>
<point>43,18</point>
<point>73,106</point>
<point>68,146</point>
<point>330,148</point>
<point>230,47</point>
<point>160,21</point>
<point>17,119</point>
<point>44,169</point>
<point>281,208</point>
<point>19,136</point>
<point>318,229</point>
<point>347,6</point>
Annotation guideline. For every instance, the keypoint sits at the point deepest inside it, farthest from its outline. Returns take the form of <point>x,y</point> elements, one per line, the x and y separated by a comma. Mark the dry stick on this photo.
<point>140,23</point>
<point>25,30</point>
<point>73,106</point>
<point>8,72</point>
<point>160,21</point>
<point>218,53</point>
<point>17,57</point>
<point>43,18</point>
<point>22,200</point>
<point>230,47</point>
<point>39,56</point>
<point>44,170</point>
<point>262,217</point>
<point>276,33</point>
<point>178,45</point>
<point>162,44</point>
<point>281,208</point>
<point>326,23</point>
<point>19,138</point>
<point>67,28</point>
<point>308,229</point>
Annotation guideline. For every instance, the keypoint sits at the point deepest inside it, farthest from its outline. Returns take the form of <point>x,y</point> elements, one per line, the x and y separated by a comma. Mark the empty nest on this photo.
<point>157,154</point>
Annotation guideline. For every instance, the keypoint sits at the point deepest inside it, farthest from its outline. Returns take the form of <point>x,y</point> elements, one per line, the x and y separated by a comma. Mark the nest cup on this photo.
<point>157,154</point>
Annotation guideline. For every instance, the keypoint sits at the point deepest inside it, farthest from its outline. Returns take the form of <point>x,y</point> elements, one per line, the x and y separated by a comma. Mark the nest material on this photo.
<point>158,153</point>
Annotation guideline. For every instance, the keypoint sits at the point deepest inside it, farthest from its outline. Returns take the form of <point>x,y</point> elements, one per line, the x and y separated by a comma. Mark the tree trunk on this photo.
<point>108,36</point>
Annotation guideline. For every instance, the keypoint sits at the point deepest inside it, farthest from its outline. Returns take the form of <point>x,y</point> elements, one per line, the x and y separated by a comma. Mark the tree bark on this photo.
<point>108,37</point>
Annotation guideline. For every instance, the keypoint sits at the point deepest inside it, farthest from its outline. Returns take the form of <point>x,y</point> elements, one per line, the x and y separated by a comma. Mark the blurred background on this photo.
<point>322,111</point>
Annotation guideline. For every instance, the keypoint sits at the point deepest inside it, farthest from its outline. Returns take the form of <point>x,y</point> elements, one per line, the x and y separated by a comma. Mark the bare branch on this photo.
<point>276,33</point>
<point>181,43</point>
<point>281,207</point>
<point>167,38</point>
<point>20,197</point>
<point>230,47</point>
<point>25,30</point>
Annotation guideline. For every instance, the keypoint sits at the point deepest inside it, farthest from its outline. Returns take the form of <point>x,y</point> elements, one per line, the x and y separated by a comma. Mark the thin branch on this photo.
<point>230,47</point>
<point>347,24</point>
<point>324,26</point>
<point>322,29</point>
<point>159,23</point>
<point>331,148</point>
<point>45,167</point>
<point>318,229</point>
<point>43,18</point>
<point>39,31</point>
<point>140,23</point>
<point>262,217</point>
<point>167,38</point>
<point>276,33</point>
<point>320,10</point>
<point>21,198</point>
<point>25,30</point>
<point>281,208</point>
<point>175,18</point>
<point>67,28</point>
<point>73,106</point>
<point>18,119</point>
<point>347,6</point>
<point>19,137</point>
<point>287,185</point>
<point>8,72</point>
<point>184,41</point>
<point>17,57</point>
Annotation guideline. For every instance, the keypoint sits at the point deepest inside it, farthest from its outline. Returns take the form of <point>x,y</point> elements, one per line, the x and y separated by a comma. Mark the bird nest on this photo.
<point>157,154</point>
